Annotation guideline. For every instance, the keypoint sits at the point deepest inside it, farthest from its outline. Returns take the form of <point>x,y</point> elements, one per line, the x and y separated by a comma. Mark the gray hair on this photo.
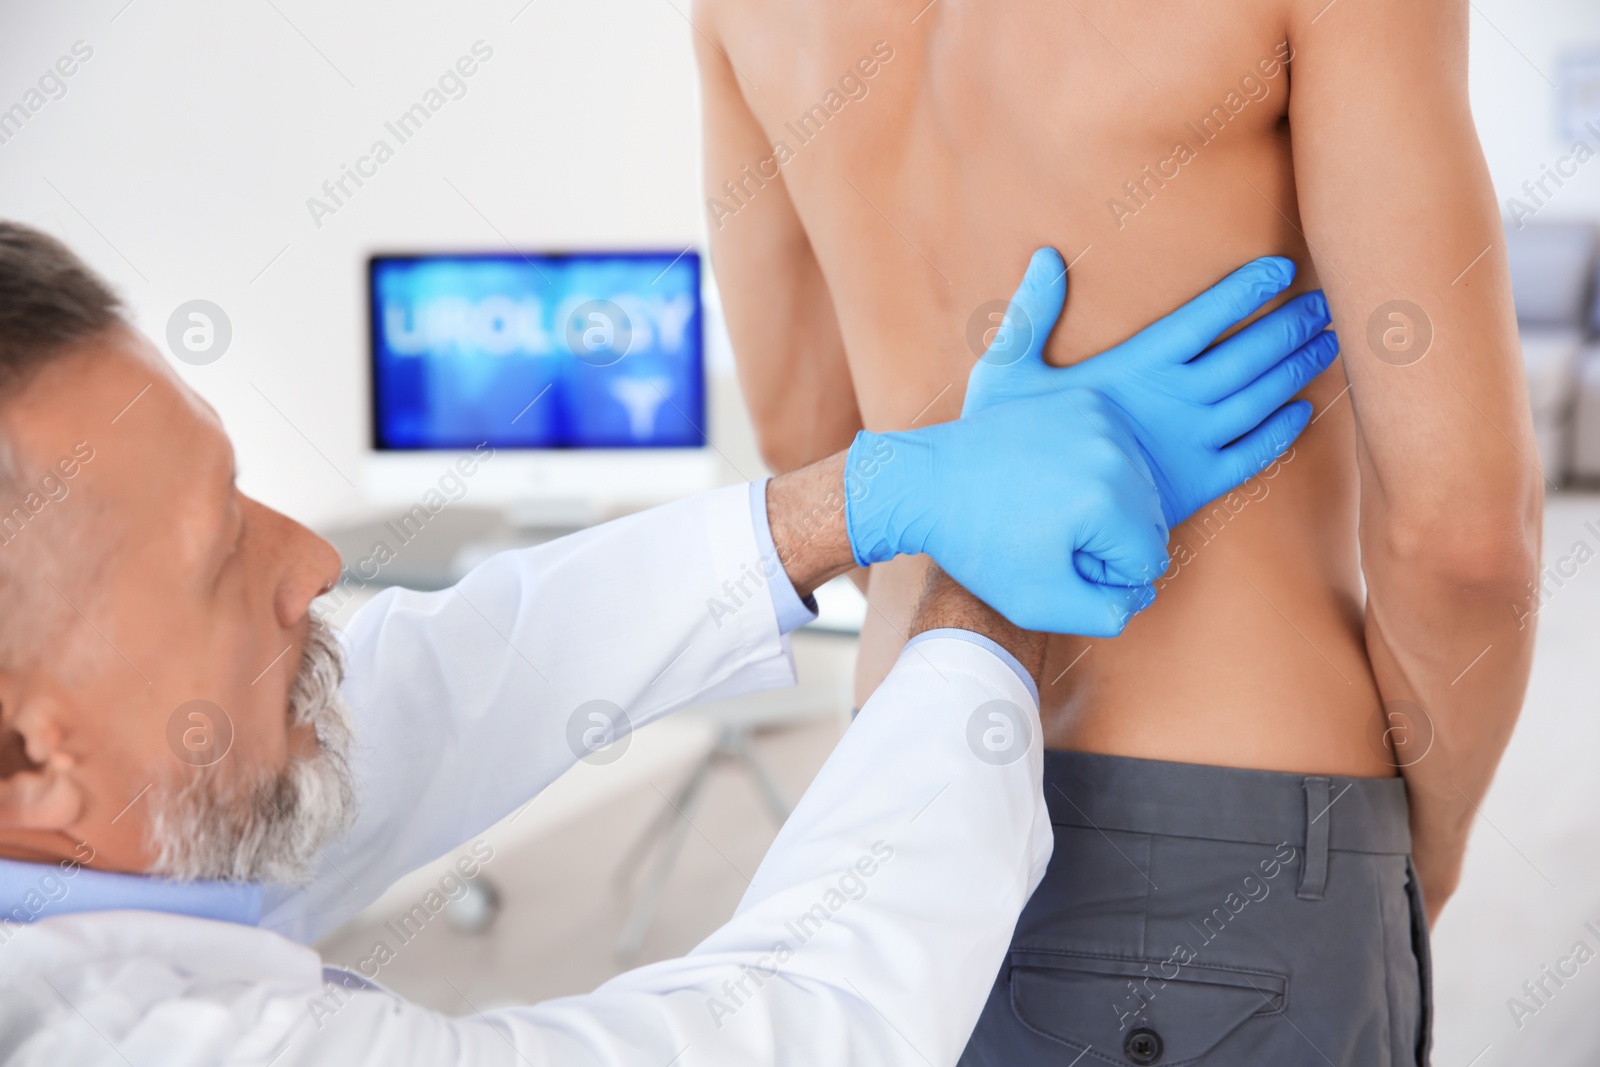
<point>49,301</point>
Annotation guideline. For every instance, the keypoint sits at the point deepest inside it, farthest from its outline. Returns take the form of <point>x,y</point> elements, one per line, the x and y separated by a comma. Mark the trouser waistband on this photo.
<point>1314,812</point>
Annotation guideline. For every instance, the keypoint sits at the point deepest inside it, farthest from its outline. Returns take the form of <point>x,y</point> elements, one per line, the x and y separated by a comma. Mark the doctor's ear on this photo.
<point>37,788</point>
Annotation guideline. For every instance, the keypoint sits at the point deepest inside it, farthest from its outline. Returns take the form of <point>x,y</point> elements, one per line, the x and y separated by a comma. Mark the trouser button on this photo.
<point>1143,1046</point>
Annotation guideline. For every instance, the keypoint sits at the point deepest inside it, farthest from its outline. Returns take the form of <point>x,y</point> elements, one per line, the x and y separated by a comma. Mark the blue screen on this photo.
<point>542,351</point>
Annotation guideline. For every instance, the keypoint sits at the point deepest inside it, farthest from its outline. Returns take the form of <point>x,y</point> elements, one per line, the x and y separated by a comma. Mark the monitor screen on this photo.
<point>590,350</point>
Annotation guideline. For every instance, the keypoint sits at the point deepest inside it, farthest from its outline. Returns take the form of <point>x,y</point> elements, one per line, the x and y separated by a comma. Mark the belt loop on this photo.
<point>1314,863</point>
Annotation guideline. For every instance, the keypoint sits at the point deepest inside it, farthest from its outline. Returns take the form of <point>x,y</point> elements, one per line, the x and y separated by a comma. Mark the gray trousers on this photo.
<point>1207,915</point>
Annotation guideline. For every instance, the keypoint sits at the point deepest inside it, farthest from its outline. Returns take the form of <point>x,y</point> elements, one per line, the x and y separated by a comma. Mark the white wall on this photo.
<point>1516,49</point>
<point>180,160</point>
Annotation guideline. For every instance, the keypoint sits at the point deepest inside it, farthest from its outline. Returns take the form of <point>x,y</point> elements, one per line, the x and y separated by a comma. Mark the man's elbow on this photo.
<point>1467,553</point>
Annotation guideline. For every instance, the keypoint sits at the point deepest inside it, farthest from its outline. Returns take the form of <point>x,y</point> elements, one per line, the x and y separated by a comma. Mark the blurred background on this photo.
<point>220,164</point>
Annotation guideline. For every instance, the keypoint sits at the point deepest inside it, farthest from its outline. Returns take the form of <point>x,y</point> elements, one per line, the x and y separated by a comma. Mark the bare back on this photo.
<point>925,160</point>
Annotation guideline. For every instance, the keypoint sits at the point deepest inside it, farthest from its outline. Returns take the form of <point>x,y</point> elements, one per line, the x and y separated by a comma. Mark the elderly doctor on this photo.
<point>158,913</point>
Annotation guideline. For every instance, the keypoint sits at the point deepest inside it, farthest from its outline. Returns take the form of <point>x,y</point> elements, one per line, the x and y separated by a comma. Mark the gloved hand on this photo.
<point>1203,424</point>
<point>1045,499</point>
<point>1041,508</point>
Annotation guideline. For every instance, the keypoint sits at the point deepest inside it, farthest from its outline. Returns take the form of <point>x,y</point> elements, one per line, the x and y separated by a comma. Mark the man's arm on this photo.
<point>469,701</point>
<point>780,315</point>
<point>1397,206</point>
<point>873,928</point>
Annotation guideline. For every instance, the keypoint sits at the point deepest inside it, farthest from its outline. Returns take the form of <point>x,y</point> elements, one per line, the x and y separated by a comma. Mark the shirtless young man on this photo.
<point>1233,880</point>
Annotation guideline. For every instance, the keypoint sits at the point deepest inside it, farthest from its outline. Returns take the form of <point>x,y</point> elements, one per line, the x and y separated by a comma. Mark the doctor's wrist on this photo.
<point>805,509</point>
<point>946,605</point>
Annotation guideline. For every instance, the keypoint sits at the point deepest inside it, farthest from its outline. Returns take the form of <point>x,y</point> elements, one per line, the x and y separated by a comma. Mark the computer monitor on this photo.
<point>583,372</point>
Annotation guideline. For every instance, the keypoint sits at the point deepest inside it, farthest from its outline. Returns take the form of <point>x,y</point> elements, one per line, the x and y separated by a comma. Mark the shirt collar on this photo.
<point>32,891</point>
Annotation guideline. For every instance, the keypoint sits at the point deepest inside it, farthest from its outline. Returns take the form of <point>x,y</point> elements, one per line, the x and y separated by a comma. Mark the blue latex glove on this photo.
<point>1041,507</point>
<point>1205,421</point>
<point>1052,496</point>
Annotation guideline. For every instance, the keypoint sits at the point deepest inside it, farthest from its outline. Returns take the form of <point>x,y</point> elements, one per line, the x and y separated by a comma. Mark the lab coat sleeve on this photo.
<point>870,934</point>
<point>874,928</point>
<point>469,701</point>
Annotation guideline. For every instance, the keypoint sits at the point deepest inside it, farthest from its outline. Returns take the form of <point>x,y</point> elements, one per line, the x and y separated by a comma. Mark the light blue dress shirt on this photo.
<point>30,891</point>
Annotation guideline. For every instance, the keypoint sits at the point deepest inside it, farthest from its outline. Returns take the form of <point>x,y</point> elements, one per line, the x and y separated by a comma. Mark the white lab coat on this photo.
<point>870,935</point>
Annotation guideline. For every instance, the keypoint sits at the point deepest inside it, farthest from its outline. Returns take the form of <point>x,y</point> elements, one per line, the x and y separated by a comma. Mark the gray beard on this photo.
<point>212,824</point>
